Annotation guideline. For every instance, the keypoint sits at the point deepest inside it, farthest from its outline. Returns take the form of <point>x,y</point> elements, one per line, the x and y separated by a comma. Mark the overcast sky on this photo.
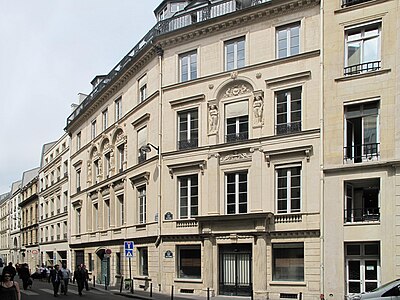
<point>50,50</point>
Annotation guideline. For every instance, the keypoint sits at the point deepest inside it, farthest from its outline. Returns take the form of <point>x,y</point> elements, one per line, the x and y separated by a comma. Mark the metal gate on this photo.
<point>235,270</point>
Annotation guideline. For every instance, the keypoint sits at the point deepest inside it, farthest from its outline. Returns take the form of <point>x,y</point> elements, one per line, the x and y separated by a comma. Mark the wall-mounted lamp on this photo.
<point>147,148</point>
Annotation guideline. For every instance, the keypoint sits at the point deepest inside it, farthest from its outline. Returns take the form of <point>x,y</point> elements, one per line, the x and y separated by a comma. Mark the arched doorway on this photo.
<point>103,270</point>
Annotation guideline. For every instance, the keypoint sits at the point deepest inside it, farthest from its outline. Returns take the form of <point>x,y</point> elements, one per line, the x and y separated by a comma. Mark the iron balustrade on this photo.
<point>346,3</point>
<point>369,214</point>
<point>236,137</point>
<point>362,152</point>
<point>188,144</point>
<point>180,20</point>
<point>287,128</point>
<point>362,68</point>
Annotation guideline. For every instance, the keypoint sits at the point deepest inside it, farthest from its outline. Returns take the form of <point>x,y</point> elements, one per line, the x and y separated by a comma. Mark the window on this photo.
<point>236,193</point>
<point>142,204</point>
<point>107,164</point>
<point>91,262</point>
<point>93,129</point>
<point>188,196</point>
<point>362,267</point>
<point>361,132</point>
<point>237,121</point>
<point>118,263</point>
<point>107,213</point>
<point>288,262</point>
<point>95,216</point>
<point>78,220</point>
<point>189,262</point>
<point>362,49</point>
<point>288,189</point>
<point>143,92</point>
<point>142,142</point>
<point>118,109</point>
<point>143,262</point>
<point>105,119</point>
<point>288,40</point>
<point>288,111</point>
<point>121,208</point>
<point>78,180</point>
<point>234,54</point>
<point>78,141</point>
<point>121,157</point>
<point>346,3</point>
<point>362,201</point>
<point>96,171</point>
<point>188,129</point>
<point>188,66</point>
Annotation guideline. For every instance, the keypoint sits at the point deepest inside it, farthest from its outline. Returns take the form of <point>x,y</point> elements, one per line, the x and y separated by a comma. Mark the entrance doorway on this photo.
<point>235,270</point>
<point>103,273</point>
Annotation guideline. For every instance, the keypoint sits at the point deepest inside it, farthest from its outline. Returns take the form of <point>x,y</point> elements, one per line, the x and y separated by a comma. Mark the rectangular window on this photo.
<point>188,129</point>
<point>96,171</point>
<point>188,65</point>
<point>107,164</point>
<point>362,49</point>
<point>237,121</point>
<point>78,221</point>
<point>142,142</point>
<point>91,262</point>
<point>95,216</point>
<point>236,193</point>
<point>118,109</point>
<point>78,180</point>
<point>288,189</point>
<point>143,262</point>
<point>188,196</point>
<point>288,262</point>
<point>288,111</point>
<point>361,132</point>
<point>121,157</point>
<point>105,119</point>
<point>121,208</point>
<point>189,262</point>
<point>288,40</point>
<point>143,93</point>
<point>142,204</point>
<point>78,141</point>
<point>362,200</point>
<point>93,129</point>
<point>234,54</point>
<point>118,263</point>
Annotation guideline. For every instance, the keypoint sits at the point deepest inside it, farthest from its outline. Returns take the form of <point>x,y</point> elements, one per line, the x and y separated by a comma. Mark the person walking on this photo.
<point>55,278</point>
<point>25,275</point>
<point>79,276</point>
<point>9,289</point>
<point>66,275</point>
<point>86,271</point>
<point>10,270</point>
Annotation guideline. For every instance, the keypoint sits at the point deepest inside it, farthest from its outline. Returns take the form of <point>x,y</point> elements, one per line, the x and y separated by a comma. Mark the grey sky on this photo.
<point>50,50</point>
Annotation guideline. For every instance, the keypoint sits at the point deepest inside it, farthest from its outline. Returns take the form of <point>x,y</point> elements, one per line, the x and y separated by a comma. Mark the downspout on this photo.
<point>321,154</point>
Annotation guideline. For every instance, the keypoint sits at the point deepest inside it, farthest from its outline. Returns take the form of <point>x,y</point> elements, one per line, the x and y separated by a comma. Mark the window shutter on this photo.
<point>236,109</point>
<point>142,137</point>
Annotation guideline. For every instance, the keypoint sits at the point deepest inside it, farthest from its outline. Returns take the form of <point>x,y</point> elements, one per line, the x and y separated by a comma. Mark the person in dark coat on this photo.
<point>55,278</point>
<point>86,276</point>
<point>10,270</point>
<point>79,276</point>
<point>25,275</point>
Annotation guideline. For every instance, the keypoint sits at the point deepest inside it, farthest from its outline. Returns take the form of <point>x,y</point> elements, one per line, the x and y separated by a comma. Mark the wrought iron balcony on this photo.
<point>360,153</point>
<point>371,214</point>
<point>287,128</point>
<point>188,144</point>
<point>362,68</point>
<point>180,20</point>
<point>236,137</point>
<point>346,3</point>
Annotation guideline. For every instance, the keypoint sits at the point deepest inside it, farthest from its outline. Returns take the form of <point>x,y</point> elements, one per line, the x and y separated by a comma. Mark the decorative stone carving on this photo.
<point>112,160</point>
<point>89,172</point>
<point>258,109</point>
<point>120,137</point>
<point>236,90</point>
<point>235,157</point>
<point>234,75</point>
<point>210,86</point>
<point>213,119</point>
<point>106,146</point>
<point>100,164</point>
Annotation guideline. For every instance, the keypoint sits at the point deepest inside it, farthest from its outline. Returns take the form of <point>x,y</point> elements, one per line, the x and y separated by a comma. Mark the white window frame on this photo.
<point>235,42</point>
<point>188,70</point>
<point>118,109</point>
<point>288,188</point>
<point>142,205</point>
<point>288,107</point>
<point>189,196</point>
<point>93,129</point>
<point>189,113</point>
<point>143,92</point>
<point>237,173</point>
<point>105,119</point>
<point>78,141</point>
<point>287,28</point>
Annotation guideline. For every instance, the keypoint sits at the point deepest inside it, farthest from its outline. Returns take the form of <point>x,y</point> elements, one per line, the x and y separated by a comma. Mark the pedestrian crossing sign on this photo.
<point>128,247</point>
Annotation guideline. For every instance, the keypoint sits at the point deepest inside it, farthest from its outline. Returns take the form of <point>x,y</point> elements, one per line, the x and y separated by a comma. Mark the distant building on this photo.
<point>4,228</point>
<point>15,222</point>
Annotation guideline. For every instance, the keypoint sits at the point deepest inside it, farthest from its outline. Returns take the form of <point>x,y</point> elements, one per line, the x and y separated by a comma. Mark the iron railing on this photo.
<point>362,152</point>
<point>236,137</point>
<point>188,144</point>
<point>287,128</point>
<point>346,3</point>
<point>180,20</point>
<point>362,68</point>
<point>369,214</point>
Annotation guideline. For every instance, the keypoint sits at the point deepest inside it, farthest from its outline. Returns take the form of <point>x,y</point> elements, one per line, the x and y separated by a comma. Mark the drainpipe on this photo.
<point>321,154</point>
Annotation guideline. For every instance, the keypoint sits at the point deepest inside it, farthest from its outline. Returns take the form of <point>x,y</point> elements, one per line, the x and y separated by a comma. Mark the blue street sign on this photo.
<point>128,247</point>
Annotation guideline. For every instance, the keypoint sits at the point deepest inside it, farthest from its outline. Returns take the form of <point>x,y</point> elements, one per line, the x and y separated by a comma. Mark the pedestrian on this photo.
<point>11,270</point>
<point>9,289</point>
<point>25,275</point>
<point>79,276</point>
<point>86,276</point>
<point>56,278</point>
<point>66,274</point>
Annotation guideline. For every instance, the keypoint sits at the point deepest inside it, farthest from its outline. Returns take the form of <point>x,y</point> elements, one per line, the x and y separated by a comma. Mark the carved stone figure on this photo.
<point>112,160</point>
<point>213,118</point>
<point>100,167</point>
<point>89,172</point>
<point>258,107</point>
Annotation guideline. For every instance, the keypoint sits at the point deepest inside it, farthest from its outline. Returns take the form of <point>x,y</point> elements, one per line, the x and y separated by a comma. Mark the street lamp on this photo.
<point>147,148</point>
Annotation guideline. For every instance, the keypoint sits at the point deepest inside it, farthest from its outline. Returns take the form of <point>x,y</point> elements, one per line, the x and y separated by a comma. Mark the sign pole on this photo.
<point>130,275</point>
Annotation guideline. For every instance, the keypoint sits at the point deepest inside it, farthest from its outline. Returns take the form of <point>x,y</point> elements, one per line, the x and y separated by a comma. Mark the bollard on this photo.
<point>300,296</point>
<point>172,292</point>
<point>122,282</point>
<point>208,293</point>
<point>132,291</point>
<point>105,282</point>
<point>151,290</point>
<point>252,294</point>
<point>94,281</point>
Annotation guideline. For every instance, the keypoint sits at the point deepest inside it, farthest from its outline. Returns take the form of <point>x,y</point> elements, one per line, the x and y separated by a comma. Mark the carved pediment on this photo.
<point>237,90</point>
<point>235,157</point>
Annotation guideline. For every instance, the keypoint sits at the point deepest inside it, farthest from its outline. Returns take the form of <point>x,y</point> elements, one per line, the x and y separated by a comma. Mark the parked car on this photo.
<point>388,291</point>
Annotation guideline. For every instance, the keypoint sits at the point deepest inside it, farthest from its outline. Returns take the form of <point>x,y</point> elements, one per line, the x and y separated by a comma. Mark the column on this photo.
<point>260,267</point>
<point>208,256</point>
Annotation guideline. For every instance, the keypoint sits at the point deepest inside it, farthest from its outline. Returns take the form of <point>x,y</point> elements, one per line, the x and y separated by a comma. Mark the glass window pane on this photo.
<point>353,53</point>
<point>371,50</point>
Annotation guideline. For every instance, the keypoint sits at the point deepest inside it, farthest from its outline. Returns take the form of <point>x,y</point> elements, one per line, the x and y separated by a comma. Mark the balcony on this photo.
<point>188,144</point>
<point>360,153</point>
<point>180,20</point>
<point>355,215</point>
<point>237,137</point>
<point>288,128</point>
<point>347,3</point>
<point>362,68</point>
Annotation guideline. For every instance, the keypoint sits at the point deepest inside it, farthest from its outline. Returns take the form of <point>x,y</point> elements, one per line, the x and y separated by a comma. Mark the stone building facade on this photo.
<point>4,228</point>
